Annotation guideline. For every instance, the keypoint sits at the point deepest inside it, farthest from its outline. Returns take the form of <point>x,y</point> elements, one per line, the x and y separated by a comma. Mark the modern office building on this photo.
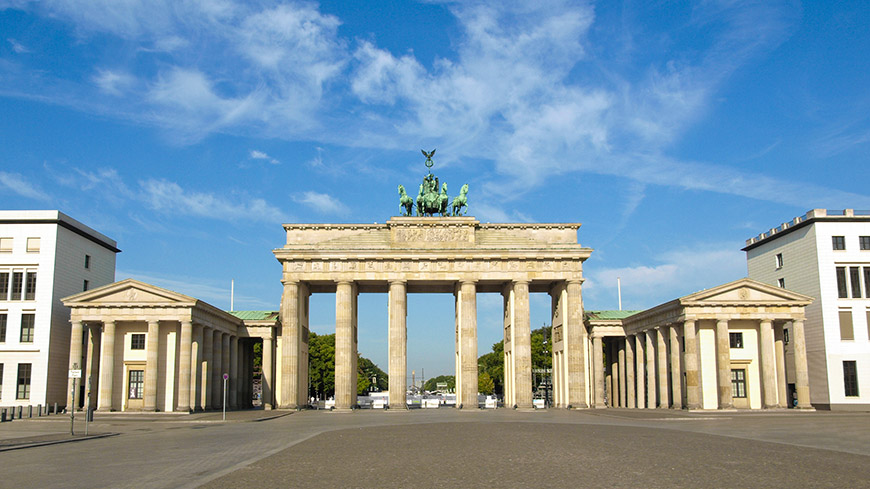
<point>825,254</point>
<point>44,256</point>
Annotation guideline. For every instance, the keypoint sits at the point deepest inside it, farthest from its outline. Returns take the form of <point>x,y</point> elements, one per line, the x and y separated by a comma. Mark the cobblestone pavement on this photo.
<point>445,447</point>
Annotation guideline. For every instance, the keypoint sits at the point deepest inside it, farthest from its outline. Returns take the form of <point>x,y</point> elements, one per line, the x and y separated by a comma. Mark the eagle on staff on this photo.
<point>431,202</point>
<point>428,156</point>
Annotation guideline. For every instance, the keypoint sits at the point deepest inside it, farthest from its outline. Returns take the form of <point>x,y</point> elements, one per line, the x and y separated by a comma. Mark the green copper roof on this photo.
<point>255,315</point>
<point>610,314</point>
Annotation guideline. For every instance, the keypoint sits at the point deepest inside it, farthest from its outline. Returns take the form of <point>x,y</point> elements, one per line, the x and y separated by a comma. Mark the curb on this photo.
<point>56,442</point>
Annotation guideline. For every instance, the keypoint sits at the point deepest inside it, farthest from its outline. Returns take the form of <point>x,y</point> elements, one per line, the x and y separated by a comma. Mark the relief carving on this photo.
<point>557,334</point>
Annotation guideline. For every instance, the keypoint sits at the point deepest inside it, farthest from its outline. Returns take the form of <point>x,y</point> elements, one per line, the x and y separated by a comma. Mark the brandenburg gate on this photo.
<point>458,255</point>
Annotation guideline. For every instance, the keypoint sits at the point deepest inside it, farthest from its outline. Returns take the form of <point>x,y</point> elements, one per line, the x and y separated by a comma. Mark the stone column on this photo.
<point>107,368</point>
<point>196,369</point>
<point>575,338</point>
<point>650,370</point>
<point>782,394</point>
<point>217,370</point>
<point>234,372</point>
<point>468,344</point>
<point>662,360</point>
<point>75,362</point>
<point>184,365</point>
<point>290,336</point>
<point>802,379</point>
<point>676,370</point>
<point>225,368</point>
<point>152,343</point>
<point>768,365</point>
<point>92,379</point>
<point>630,400</point>
<point>693,373</point>
<point>267,381</point>
<point>398,344</point>
<point>608,372</point>
<point>207,367</point>
<point>723,364</point>
<point>598,371</point>
<point>640,363</point>
<point>522,347</point>
<point>345,376</point>
<point>620,345</point>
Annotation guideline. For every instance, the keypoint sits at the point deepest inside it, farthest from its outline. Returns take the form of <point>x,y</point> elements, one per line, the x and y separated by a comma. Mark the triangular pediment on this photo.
<point>128,291</point>
<point>746,290</point>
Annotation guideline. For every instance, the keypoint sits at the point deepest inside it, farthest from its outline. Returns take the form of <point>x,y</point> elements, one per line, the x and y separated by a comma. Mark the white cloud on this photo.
<point>17,184</point>
<point>259,155</point>
<point>17,46</point>
<point>113,82</point>
<point>215,294</point>
<point>171,198</point>
<point>322,203</point>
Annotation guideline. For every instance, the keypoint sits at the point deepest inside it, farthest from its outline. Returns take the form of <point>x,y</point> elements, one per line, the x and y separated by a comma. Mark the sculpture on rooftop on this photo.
<point>431,202</point>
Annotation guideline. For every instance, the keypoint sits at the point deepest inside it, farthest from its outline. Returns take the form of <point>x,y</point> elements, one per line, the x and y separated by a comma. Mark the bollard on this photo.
<point>20,409</point>
<point>2,415</point>
<point>55,408</point>
<point>30,411</point>
<point>39,410</point>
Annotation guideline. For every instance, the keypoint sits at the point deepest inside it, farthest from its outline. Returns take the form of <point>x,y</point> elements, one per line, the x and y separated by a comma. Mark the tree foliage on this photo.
<point>485,385</point>
<point>366,370</point>
<point>321,369</point>
<point>432,384</point>
<point>492,363</point>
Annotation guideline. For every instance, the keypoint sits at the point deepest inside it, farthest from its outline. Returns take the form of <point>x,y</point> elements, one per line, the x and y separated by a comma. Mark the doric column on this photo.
<point>345,376</point>
<point>75,362</point>
<point>598,371</point>
<point>267,382</point>
<point>467,301</point>
<point>630,400</point>
<point>92,378</point>
<point>802,379</point>
<point>225,368</point>
<point>620,347</point>
<point>768,365</point>
<point>662,358</point>
<point>398,344</point>
<point>608,372</point>
<point>207,366</point>
<point>290,339</point>
<point>650,369</point>
<point>522,347</point>
<point>107,367</point>
<point>184,365</point>
<point>216,370</point>
<point>676,370</point>
<point>234,372</point>
<point>693,374</point>
<point>575,338</point>
<point>196,369</point>
<point>152,343</point>
<point>723,364</point>
<point>779,347</point>
<point>640,364</point>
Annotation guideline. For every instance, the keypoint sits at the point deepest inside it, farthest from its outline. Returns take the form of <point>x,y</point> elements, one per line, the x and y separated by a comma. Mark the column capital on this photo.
<point>398,282</point>
<point>344,282</point>
<point>521,281</point>
<point>290,281</point>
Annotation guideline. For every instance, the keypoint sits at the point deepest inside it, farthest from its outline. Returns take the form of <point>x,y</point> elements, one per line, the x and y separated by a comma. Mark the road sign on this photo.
<point>226,376</point>
<point>75,374</point>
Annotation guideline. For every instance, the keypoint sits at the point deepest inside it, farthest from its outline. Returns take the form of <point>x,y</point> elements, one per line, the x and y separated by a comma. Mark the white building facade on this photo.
<point>826,255</point>
<point>44,256</point>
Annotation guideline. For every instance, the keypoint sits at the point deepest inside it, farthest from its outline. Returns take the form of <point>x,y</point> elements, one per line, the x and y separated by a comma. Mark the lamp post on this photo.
<point>547,379</point>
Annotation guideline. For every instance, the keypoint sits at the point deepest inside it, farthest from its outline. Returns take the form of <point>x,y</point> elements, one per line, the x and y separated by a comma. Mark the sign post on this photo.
<point>75,373</point>
<point>226,378</point>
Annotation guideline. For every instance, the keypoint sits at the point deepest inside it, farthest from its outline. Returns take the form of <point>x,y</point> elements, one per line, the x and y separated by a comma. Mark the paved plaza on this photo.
<point>444,448</point>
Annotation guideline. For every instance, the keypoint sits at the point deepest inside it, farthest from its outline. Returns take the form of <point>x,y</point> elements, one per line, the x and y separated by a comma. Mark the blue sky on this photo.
<point>189,130</point>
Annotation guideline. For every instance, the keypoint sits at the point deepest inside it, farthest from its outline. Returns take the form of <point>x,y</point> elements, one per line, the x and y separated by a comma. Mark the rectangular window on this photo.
<point>4,286</point>
<point>842,291</point>
<point>855,278</point>
<point>785,336</point>
<point>846,330</point>
<point>17,281</point>
<point>33,245</point>
<point>736,340</point>
<point>839,242</point>
<point>5,245</point>
<point>30,287</point>
<point>85,286</point>
<point>137,381</point>
<point>27,322</point>
<point>87,261</point>
<point>864,242</point>
<point>867,282</point>
<point>1,381</point>
<point>780,282</point>
<point>850,378</point>
<point>779,260</point>
<point>3,328</point>
<point>137,341</point>
<point>23,391</point>
<point>738,382</point>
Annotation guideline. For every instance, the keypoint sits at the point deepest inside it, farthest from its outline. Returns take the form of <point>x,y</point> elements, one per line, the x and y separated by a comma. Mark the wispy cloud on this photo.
<point>259,155</point>
<point>113,82</point>
<point>17,46</point>
<point>18,184</point>
<point>322,203</point>
<point>207,290</point>
<point>169,197</point>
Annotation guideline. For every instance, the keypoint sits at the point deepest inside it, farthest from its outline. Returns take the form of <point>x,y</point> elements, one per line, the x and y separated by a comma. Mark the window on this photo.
<point>785,336</point>
<point>27,321</point>
<point>736,340</point>
<point>4,286</point>
<point>850,378</point>
<point>1,381</point>
<point>867,282</point>
<point>5,245</point>
<point>778,260</point>
<point>864,242</point>
<point>855,278</point>
<point>137,341</point>
<point>87,261</point>
<point>17,279</point>
<point>85,286</point>
<point>846,330</point>
<point>780,282</point>
<point>738,382</point>
<point>842,293</point>
<point>839,242</point>
<point>30,287</point>
<point>137,381</point>
<point>3,328</point>
<point>33,245</point>
<point>23,391</point>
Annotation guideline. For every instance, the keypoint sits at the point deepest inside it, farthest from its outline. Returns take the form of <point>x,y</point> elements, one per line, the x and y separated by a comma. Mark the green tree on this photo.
<point>485,385</point>
<point>432,384</point>
<point>492,364</point>
<point>366,370</point>
<point>321,365</point>
<point>542,355</point>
